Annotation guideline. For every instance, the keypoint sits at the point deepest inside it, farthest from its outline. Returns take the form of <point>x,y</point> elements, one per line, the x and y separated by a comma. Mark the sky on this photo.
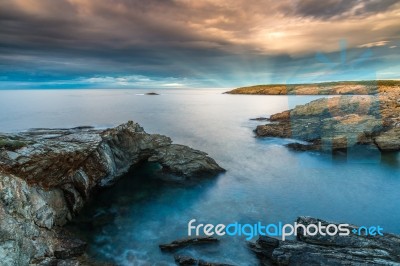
<point>195,44</point>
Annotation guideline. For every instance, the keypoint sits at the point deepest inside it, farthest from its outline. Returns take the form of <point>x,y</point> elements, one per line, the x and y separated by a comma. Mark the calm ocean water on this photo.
<point>264,180</point>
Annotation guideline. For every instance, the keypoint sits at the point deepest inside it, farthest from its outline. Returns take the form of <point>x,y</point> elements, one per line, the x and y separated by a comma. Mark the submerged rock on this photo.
<point>178,244</point>
<point>260,119</point>
<point>183,260</point>
<point>353,249</point>
<point>46,179</point>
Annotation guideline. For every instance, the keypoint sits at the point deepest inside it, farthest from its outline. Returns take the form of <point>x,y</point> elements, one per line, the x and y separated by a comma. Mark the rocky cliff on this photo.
<point>369,87</point>
<point>46,175</point>
<point>341,122</point>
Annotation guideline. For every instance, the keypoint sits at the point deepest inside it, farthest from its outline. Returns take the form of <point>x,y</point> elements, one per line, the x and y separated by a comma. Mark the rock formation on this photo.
<point>178,244</point>
<point>353,249</point>
<point>46,175</point>
<point>368,87</point>
<point>340,122</point>
<point>182,260</point>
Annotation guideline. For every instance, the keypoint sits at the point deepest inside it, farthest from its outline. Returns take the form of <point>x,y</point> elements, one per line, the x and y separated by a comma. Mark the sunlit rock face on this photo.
<point>341,122</point>
<point>46,175</point>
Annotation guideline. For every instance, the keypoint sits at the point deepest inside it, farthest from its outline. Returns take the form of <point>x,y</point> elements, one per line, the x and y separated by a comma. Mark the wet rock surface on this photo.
<point>353,249</point>
<point>183,260</point>
<point>47,175</point>
<point>178,244</point>
<point>339,123</point>
<point>259,119</point>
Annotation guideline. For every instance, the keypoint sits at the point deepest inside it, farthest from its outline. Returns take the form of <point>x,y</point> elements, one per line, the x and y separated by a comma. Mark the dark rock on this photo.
<point>152,93</point>
<point>206,263</point>
<point>178,244</point>
<point>69,248</point>
<point>189,261</point>
<point>302,147</point>
<point>259,119</point>
<point>47,179</point>
<point>353,249</point>
<point>184,161</point>
<point>185,260</point>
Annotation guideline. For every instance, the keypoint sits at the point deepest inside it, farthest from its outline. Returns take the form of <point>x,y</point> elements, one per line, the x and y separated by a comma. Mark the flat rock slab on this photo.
<point>353,249</point>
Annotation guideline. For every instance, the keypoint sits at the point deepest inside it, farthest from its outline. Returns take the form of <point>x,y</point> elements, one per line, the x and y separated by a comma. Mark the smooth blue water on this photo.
<point>265,181</point>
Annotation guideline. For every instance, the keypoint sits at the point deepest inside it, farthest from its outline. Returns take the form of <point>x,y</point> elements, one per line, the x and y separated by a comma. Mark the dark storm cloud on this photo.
<point>340,8</point>
<point>178,38</point>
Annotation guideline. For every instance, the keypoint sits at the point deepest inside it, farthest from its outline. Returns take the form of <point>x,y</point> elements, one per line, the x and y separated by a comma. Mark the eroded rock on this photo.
<point>339,123</point>
<point>47,180</point>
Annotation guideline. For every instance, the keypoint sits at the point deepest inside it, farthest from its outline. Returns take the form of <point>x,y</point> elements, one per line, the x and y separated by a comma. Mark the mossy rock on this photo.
<point>11,144</point>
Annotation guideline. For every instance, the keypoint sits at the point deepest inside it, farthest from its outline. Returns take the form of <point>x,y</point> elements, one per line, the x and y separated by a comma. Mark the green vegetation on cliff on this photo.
<point>326,88</point>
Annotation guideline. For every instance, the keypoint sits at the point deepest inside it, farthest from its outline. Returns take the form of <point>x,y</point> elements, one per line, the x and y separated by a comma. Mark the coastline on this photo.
<point>48,175</point>
<point>369,87</point>
<point>340,122</point>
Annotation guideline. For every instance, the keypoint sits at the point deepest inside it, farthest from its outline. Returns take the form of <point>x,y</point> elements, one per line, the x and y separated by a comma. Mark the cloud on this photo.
<point>340,9</point>
<point>133,81</point>
<point>180,38</point>
<point>374,44</point>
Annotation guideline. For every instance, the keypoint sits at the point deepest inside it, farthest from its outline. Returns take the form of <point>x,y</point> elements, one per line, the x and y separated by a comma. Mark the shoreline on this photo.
<point>47,176</point>
<point>370,87</point>
<point>339,123</point>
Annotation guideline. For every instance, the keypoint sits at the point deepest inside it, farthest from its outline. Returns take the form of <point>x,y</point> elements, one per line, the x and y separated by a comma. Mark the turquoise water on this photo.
<point>264,180</point>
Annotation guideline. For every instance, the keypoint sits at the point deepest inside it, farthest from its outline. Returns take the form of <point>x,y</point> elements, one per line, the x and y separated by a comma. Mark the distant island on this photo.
<point>369,87</point>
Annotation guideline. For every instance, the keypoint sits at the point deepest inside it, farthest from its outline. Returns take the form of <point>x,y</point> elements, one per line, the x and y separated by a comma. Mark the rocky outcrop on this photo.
<point>353,249</point>
<point>326,88</point>
<point>46,175</point>
<point>340,123</point>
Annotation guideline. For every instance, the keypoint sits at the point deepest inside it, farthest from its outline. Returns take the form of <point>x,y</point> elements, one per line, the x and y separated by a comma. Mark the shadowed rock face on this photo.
<point>328,250</point>
<point>46,179</point>
<point>340,123</point>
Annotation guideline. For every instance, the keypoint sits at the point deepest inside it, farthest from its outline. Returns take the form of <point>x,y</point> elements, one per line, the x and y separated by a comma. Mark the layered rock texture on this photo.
<point>341,122</point>
<point>46,175</point>
<point>353,249</point>
<point>326,88</point>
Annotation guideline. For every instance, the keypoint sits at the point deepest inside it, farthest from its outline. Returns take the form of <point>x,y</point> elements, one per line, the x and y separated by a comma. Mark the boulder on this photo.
<point>353,249</point>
